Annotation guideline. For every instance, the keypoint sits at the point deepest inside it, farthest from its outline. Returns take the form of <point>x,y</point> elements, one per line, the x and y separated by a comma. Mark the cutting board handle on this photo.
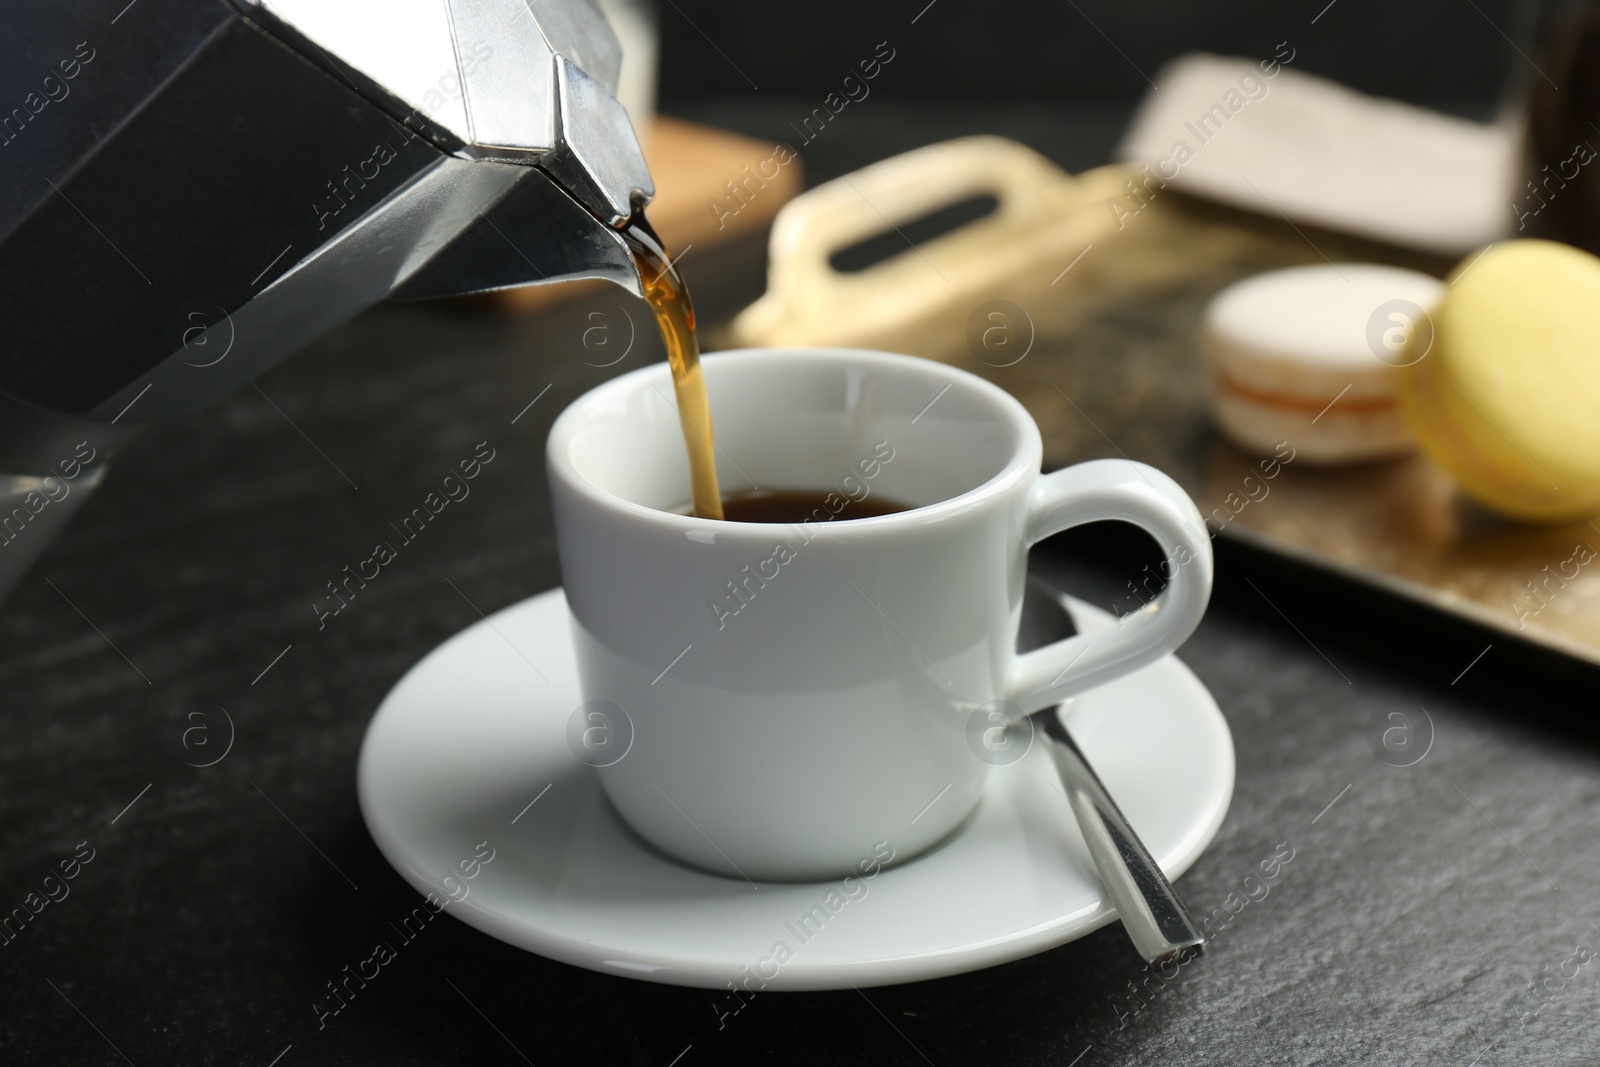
<point>879,198</point>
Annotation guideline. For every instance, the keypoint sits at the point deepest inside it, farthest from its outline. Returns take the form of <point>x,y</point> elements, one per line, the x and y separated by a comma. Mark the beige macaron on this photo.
<point>1307,355</point>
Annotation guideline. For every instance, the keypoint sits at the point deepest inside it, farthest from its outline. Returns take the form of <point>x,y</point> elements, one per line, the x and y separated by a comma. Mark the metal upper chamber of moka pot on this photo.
<point>266,169</point>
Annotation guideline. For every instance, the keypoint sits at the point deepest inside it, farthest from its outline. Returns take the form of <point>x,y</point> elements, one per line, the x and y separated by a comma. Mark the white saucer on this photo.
<point>472,734</point>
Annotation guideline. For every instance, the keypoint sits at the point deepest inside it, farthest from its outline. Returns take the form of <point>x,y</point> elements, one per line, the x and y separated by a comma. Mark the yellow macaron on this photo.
<point>1502,382</point>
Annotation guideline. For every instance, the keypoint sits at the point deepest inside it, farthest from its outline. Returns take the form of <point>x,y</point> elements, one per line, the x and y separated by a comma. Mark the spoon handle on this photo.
<point>1153,916</point>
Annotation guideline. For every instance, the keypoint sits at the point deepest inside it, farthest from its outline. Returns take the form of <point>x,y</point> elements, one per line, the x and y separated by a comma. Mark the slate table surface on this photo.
<point>1440,912</point>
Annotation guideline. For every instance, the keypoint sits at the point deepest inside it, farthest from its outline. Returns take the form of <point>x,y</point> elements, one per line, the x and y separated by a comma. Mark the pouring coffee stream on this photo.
<point>668,297</point>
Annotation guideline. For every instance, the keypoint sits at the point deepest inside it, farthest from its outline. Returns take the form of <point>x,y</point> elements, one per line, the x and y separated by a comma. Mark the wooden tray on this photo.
<point>1101,344</point>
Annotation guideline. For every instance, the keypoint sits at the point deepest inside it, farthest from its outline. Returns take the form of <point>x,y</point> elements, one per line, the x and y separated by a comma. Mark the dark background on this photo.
<point>1065,77</point>
<point>1059,52</point>
<point>1421,907</point>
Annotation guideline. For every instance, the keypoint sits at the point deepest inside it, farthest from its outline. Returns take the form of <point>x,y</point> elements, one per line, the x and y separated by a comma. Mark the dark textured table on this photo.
<point>1437,912</point>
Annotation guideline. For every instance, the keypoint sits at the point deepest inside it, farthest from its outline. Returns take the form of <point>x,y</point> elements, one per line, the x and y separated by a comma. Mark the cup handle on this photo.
<point>1140,494</point>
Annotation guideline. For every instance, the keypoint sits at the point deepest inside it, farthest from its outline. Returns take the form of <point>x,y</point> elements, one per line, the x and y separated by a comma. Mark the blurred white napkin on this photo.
<point>1301,146</point>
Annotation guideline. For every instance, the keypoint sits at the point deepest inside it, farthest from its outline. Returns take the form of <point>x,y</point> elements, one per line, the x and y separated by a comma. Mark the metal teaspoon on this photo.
<point>1153,915</point>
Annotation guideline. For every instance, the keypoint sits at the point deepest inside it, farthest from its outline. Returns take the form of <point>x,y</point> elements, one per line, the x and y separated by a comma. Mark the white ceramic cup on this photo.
<point>782,701</point>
